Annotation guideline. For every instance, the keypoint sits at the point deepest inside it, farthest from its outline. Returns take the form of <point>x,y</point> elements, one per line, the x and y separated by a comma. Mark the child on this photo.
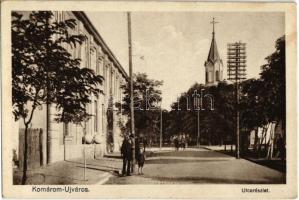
<point>140,160</point>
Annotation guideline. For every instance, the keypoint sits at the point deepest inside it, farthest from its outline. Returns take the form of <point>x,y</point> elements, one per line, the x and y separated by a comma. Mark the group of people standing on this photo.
<point>180,141</point>
<point>127,154</point>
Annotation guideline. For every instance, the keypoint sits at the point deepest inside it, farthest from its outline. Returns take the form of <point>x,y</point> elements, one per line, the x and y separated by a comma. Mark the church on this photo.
<point>213,64</point>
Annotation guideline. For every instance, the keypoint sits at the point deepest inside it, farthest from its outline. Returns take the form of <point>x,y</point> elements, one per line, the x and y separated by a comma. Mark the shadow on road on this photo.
<point>174,161</point>
<point>208,180</point>
<point>188,153</point>
<point>98,169</point>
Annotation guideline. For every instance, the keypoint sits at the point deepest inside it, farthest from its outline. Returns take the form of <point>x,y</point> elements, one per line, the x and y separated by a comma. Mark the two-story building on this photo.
<point>60,141</point>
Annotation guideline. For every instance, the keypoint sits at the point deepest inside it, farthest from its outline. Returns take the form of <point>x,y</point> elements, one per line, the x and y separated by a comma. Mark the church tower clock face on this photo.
<point>213,64</point>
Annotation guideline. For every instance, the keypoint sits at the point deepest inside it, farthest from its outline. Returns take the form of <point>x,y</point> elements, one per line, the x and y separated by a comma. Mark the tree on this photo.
<point>264,99</point>
<point>252,110</point>
<point>147,98</point>
<point>184,113</point>
<point>274,84</point>
<point>44,72</point>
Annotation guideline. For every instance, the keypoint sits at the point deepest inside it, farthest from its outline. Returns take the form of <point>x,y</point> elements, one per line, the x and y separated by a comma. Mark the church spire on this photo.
<point>213,53</point>
<point>213,65</point>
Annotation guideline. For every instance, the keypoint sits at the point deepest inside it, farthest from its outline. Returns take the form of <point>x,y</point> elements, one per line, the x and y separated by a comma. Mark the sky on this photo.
<point>175,45</point>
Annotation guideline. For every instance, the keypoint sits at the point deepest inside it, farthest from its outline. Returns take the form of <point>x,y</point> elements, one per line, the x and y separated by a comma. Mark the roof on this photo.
<point>213,53</point>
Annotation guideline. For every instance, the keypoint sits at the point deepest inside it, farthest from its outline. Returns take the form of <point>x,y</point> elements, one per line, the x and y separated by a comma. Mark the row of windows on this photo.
<point>92,57</point>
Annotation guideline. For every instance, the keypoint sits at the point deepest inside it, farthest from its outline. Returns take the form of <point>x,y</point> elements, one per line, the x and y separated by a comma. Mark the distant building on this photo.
<point>213,65</point>
<point>59,141</point>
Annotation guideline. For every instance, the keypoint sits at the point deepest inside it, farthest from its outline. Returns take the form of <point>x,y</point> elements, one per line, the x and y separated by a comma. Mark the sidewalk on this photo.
<point>152,151</point>
<point>71,172</point>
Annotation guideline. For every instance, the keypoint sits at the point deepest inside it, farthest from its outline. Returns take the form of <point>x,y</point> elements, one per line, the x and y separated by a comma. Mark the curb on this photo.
<point>115,156</point>
<point>104,178</point>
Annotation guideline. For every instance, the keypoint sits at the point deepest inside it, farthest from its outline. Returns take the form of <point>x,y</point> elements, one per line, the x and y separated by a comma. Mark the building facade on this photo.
<point>62,141</point>
<point>214,64</point>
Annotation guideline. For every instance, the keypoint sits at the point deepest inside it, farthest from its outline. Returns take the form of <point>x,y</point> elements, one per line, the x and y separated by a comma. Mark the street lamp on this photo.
<point>198,128</point>
<point>197,107</point>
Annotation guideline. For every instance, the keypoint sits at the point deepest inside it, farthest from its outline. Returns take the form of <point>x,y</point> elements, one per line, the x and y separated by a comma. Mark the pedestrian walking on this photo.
<point>183,141</point>
<point>126,152</point>
<point>176,143</point>
<point>187,140</point>
<point>144,141</point>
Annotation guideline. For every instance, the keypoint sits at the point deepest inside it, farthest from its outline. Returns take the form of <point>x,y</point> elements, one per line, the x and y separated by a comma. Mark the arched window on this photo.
<point>207,79</point>
<point>217,76</point>
<point>96,116</point>
<point>210,77</point>
<point>66,129</point>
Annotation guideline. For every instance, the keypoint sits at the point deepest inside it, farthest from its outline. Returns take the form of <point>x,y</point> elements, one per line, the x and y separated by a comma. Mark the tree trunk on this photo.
<point>26,144</point>
<point>255,145</point>
<point>271,141</point>
<point>24,178</point>
<point>264,134</point>
<point>260,143</point>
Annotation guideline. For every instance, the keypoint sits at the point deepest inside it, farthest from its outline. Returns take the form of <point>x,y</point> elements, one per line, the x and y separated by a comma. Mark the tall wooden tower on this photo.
<point>236,67</point>
<point>213,65</point>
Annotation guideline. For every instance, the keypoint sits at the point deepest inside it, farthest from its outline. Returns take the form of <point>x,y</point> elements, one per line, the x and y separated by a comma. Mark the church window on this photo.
<point>217,76</point>
<point>210,77</point>
<point>103,118</point>
<point>66,131</point>
<point>207,79</point>
<point>96,116</point>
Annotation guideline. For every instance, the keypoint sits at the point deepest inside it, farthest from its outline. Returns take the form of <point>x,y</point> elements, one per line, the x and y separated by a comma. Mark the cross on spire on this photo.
<point>214,22</point>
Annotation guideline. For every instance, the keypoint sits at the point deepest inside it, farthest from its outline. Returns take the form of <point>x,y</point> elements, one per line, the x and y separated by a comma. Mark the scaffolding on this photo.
<point>236,67</point>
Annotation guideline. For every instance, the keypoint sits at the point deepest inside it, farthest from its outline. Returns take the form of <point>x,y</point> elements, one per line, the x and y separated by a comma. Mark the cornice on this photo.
<point>99,40</point>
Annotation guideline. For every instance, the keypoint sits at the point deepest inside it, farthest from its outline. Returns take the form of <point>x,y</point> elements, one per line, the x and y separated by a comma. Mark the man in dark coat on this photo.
<point>137,147</point>
<point>126,152</point>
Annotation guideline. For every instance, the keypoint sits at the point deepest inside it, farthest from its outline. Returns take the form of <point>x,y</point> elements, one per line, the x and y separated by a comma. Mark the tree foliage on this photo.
<point>265,98</point>
<point>45,72</point>
<point>147,99</point>
<point>213,105</point>
<point>274,83</point>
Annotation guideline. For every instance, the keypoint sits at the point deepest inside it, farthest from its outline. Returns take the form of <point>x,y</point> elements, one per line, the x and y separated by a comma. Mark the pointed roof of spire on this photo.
<point>213,53</point>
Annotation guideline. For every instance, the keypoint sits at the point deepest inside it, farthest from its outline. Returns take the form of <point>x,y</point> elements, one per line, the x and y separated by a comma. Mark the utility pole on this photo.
<point>161,126</point>
<point>236,66</point>
<point>131,90</point>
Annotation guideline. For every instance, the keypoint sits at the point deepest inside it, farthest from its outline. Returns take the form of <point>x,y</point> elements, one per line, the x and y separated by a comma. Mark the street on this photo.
<point>199,166</point>
<point>165,166</point>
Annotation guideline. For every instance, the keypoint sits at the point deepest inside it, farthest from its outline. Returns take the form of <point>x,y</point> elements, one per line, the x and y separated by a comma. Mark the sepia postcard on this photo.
<point>127,99</point>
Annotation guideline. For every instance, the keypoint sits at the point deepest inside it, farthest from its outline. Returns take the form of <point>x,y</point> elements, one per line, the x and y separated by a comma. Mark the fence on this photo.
<point>35,148</point>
